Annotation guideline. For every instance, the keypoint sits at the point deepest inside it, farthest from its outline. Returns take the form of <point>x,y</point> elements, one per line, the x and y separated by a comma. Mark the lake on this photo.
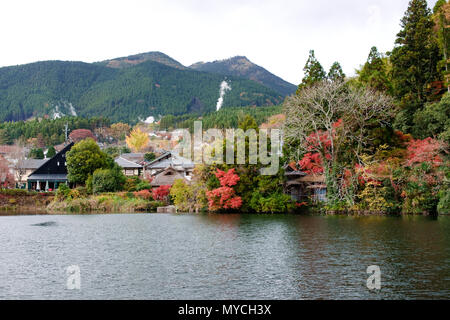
<point>162,256</point>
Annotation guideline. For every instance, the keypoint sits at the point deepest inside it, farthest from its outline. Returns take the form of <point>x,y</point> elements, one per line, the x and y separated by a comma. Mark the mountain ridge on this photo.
<point>241,66</point>
<point>122,89</point>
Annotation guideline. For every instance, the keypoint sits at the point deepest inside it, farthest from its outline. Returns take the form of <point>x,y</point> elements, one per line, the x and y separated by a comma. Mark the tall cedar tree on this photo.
<point>414,62</point>
<point>441,17</point>
<point>313,71</point>
<point>374,72</point>
<point>336,73</point>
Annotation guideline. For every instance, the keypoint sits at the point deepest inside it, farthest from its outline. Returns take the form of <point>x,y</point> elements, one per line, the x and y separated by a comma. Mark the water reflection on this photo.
<point>150,256</point>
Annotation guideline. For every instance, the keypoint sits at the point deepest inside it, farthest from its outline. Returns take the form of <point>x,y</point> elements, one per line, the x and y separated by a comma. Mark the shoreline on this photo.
<point>21,202</point>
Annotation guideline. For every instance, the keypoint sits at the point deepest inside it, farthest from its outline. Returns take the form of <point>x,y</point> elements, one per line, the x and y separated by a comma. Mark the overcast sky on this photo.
<point>276,34</point>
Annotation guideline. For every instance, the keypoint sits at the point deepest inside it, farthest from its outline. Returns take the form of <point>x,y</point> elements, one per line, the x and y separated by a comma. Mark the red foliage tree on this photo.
<point>161,193</point>
<point>6,177</point>
<point>81,134</point>
<point>319,144</point>
<point>225,196</point>
<point>426,150</point>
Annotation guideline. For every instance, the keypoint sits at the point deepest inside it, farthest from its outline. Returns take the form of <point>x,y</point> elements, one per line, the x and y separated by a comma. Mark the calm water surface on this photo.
<point>151,256</point>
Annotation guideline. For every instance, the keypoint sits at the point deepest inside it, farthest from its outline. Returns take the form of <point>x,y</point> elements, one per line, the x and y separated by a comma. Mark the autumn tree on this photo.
<point>332,119</point>
<point>119,130</point>
<point>81,134</point>
<point>137,140</point>
<point>225,196</point>
<point>161,193</point>
<point>6,177</point>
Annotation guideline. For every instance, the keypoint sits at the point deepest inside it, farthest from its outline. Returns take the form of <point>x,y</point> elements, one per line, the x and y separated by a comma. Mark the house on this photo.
<point>167,176</point>
<point>138,158</point>
<point>181,165</point>
<point>129,168</point>
<point>24,168</point>
<point>51,173</point>
<point>302,186</point>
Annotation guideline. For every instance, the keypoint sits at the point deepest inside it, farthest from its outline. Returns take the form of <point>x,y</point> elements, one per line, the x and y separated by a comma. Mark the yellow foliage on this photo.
<point>137,140</point>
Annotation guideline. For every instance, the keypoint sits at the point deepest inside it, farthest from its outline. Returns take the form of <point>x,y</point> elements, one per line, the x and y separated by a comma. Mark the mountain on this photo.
<point>133,60</point>
<point>240,66</point>
<point>126,92</point>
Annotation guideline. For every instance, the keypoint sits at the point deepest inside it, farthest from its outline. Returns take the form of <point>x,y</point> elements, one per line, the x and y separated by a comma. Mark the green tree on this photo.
<point>336,73</point>
<point>149,156</point>
<point>83,159</point>
<point>36,154</point>
<point>51,152</point>
<point>441,17</point>
<point>5,137</point>
<point>434,120</point>
<point>374,73</point>
<point>414,62</point>
<point>108,180</point>
<point>313,72</point>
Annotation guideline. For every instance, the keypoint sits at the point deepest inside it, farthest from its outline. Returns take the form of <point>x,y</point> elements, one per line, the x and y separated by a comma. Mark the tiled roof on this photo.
<point>124,163</point>
<point>43,177</point>
<point>32,163</point>
<point>170,159</point>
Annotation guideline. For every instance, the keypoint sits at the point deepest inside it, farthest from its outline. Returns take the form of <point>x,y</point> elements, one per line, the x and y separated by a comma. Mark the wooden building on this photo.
<point>167,177</point>
<point>302,187</point>
<point>129,168</point>
<point>183,166</point>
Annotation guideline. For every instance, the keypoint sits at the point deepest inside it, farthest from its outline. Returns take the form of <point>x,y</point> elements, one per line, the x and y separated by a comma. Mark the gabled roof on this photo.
<point>54,167</point>
<point>170,159</point>
<point>133,157</point>
<point>166,177</point>
<point>126,164</point>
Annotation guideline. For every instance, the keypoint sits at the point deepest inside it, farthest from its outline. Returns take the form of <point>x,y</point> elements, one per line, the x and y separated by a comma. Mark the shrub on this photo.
<point>444,202</point>
<point>143,194</point>
<point>63,192</point>
<point>131,183</point>
<point>142,185</point>
<point>107,180</point>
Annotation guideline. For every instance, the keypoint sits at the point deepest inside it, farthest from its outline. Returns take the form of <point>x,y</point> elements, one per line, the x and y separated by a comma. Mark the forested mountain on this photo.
<point>133,60</point>
<point>148,88</point>
<point>242,67</point>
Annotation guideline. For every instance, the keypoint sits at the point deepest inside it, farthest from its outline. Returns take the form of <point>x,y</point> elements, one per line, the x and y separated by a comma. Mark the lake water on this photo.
<point>160,256</point>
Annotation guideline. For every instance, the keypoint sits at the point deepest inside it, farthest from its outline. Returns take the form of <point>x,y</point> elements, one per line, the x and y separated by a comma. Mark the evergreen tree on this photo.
<point>441,17</point>
<point>36,154</point>
<point>313,71</point>
<point>5,137</point>
<point>51,152</point>
<point>374,72</point>
<point>336,73</point>
<point>414,62</point>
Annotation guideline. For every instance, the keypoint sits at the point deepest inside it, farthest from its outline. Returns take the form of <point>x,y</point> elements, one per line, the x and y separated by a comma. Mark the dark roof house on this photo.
<point>50,174</point>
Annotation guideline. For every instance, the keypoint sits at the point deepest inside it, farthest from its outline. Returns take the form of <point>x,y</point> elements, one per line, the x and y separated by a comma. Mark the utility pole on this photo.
<point>66,130</point>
